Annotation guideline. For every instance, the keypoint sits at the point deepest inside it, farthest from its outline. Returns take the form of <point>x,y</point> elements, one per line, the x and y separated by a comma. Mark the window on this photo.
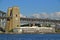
<point>16,15</point>
<point>8,19</point>
<point>17,25</point>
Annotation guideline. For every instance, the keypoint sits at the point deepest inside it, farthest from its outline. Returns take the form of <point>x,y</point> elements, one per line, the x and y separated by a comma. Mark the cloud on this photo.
<point>55,15</point>
<point>40,15</point>
<point>43,15</point>
<point>36,15</point>
<point>22,16</point>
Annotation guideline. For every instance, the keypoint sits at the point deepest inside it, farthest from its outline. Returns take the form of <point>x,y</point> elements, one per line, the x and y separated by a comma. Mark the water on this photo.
<point>29,36</point>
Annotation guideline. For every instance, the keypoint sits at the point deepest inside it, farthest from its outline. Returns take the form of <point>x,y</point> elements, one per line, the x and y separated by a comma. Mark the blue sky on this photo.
<point>29,7</point>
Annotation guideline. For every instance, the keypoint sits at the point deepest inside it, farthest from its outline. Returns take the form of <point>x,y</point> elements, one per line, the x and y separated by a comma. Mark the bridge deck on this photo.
<point>2,12</point>
<point>4,17</point>
<point>34,19</point>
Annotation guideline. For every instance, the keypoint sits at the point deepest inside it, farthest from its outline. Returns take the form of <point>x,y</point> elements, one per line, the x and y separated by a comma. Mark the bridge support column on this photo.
<point>41,25</point>
<point>1,22</point>
<point>29,24</point>
<point>14,21</point>
<point>33,24</point>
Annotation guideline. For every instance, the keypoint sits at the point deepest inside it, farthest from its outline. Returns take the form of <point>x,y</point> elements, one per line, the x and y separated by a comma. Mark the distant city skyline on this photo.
<point>35,8</point>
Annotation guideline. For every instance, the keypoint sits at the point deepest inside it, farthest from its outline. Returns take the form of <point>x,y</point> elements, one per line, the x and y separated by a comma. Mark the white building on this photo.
<point>34,30</point>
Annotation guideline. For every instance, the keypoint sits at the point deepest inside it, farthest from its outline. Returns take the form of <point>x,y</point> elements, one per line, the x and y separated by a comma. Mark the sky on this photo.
<point>35,8</point>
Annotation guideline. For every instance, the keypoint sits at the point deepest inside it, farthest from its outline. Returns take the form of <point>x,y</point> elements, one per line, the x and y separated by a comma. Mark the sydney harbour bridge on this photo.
<point>29,21</point>
<point>11,21</point>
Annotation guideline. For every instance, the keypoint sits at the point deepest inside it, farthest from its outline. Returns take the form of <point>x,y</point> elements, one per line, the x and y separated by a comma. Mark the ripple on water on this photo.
<point>29,36</point>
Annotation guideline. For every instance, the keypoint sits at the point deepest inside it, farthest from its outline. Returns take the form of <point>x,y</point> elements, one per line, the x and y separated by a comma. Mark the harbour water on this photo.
<point>29,36</point>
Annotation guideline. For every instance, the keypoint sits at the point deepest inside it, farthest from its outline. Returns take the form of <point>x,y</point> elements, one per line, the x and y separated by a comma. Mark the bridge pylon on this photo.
<point>14,21</point>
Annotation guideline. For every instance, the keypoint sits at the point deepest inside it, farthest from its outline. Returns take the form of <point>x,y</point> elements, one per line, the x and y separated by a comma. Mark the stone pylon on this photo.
<point>14,21</point>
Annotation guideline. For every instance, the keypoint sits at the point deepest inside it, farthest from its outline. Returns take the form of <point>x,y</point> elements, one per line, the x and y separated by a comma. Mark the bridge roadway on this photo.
<point>39,20</point>
<point>34,19</point>
<point>2,12</point>
<point>29,19</point>
<point>5,17</point>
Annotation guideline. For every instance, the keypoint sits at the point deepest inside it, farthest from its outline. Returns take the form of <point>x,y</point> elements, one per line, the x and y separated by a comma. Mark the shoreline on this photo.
<point>29,33</point>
